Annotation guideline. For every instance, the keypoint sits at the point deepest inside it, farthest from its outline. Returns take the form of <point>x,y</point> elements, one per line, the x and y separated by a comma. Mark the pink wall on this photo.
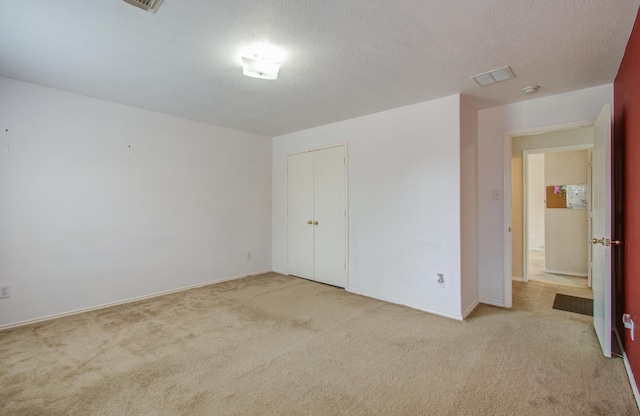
<point>627,141</point>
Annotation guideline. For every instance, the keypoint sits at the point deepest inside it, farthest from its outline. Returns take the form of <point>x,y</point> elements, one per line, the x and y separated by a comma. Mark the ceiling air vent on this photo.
<point>148,5</point>
<point>491,77</point>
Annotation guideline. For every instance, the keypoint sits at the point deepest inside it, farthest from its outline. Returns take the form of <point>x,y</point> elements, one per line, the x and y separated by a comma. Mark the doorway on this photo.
<point>555,235</point>
<point>549,250</point>
<point>550,244</point>
<point>600,220</point>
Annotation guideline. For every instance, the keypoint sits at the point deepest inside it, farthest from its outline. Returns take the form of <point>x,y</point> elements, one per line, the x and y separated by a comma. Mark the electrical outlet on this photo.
<point>440,280</point>
<point>249,255</point>
<point>5,291</point>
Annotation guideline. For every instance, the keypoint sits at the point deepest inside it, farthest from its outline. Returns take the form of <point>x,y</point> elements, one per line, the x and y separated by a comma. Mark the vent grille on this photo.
<point>147,5</point>
<point>491,77</point>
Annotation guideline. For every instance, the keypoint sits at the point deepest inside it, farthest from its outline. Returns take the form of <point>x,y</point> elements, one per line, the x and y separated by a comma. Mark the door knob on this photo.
<point>597,241</point>
<point>615,242</point>
<point>309,222</point>
<point>315,223</point>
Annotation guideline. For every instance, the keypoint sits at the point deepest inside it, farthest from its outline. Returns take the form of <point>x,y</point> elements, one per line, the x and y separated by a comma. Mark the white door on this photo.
<point>316,216</point>
<point>330,216</point>
<point>300,215</point>
<point>601,186</point>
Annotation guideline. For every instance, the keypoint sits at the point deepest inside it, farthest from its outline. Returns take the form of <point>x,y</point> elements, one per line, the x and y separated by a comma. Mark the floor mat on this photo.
<point>575,304</point>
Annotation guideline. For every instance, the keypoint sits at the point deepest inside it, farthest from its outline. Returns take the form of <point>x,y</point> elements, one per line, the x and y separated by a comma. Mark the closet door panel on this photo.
<point>330,213</point>
<point>300,212</point>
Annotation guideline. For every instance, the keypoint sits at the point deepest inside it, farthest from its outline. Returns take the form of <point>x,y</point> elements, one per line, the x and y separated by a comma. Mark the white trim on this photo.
<point>590,218</point>
<point>506,229</point>
<point>328,146</point>
<point>627,366</point>
<point>404,303</point>
<point>346,209</point>
<point>506,203</point>
<point>632,381</point>
<point>517,279</point>
<point>558,149</point>
<point>578,274</point>
<point>122,302</point>
<point>470,309</point>
<point>552,127</point>
<point>492,302</point>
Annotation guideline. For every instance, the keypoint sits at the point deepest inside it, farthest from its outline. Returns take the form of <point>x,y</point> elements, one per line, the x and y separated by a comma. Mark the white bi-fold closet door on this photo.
<point>317,215</point>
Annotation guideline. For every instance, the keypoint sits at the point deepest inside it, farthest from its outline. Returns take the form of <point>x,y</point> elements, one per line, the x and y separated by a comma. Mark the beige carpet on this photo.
<point>276,345</point>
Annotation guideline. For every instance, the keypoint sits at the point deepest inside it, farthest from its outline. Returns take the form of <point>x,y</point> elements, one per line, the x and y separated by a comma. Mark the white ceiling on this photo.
<point>346,58</point>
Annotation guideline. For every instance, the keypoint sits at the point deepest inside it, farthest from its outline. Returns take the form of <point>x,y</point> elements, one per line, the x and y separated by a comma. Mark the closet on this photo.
<point>317,215</point>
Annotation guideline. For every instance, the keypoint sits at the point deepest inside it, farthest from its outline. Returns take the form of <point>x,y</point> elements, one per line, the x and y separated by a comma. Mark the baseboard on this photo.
<point>565,272</point>
<point>627,366</point>
<point>404,303</point>
<point>470,309</point>
<point>492,302</point>
<point>279,272</point>
<point>517,278</point>
<point>122,302</point>
<point>634,386</point>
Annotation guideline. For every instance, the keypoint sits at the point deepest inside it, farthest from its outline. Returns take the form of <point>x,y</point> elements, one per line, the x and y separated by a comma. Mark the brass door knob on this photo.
<point>315,223</point>
<point>597,241</point>
<point>616,242</point>
<point>309,222</point>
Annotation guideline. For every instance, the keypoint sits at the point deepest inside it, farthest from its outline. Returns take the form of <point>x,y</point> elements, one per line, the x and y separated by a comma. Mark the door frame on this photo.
<point>506,206</point>
<point>525,200</point>
<point>346,200</point>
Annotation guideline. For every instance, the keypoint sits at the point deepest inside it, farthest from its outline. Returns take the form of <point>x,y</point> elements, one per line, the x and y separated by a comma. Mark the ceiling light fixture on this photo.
<point>532,89</point>
<point>491,77</point>
<point>262,61</point>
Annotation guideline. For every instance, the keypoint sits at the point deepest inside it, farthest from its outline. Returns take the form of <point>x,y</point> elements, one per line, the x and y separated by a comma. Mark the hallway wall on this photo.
<point>566,229</point>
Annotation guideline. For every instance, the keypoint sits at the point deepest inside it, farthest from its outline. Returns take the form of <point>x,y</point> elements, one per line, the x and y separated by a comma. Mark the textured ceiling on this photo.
<point>346,58</point>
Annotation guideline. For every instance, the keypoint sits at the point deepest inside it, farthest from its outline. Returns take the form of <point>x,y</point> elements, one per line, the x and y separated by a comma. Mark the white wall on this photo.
<point>100,202</point>
<point>566,229</point>
<point>493,123</point>
<point>536,196</point>
<point>404,202</point>
<point>469,204</point>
